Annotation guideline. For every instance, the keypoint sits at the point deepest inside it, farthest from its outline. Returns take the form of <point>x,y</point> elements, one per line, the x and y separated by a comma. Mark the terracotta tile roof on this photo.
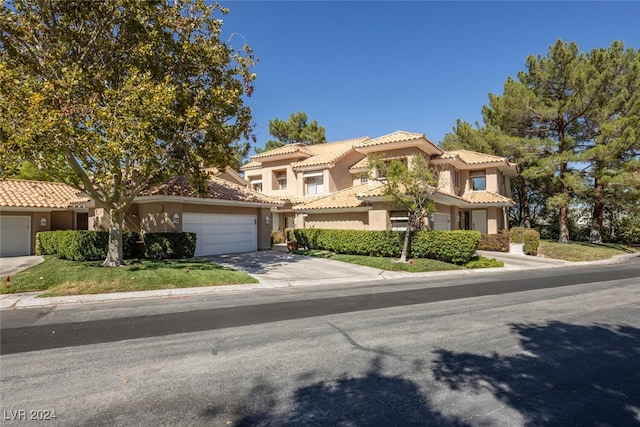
<point>217,188</point>
<point>302,149</point>
<point>328,153</point>
<point>397,136</point>
<point>473,197</point>
<point>472,157</point>
<point>347,198</point>
<point>251,165</point>
<point>17,193</point>
<point>362,164</point>
<point>484,197</point>
<point>316,154</point>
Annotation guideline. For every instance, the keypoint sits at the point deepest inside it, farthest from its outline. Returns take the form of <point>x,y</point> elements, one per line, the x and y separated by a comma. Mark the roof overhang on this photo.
<point>507,168</point>
<point>332,210</point>
<point>203,201</point>
<point>420,143</point>
<point>451,200</point>
<point>42,209</point>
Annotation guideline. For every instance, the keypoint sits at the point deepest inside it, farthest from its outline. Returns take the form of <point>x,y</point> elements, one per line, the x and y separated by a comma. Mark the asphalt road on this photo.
<point>559,347</point>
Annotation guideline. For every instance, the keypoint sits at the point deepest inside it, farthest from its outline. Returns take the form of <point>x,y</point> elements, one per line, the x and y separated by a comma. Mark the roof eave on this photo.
<point>204,201</point>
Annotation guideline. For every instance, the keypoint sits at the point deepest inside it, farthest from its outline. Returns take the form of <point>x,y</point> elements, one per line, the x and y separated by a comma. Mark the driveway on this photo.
<point>13,265</point>
<point>278,266</point>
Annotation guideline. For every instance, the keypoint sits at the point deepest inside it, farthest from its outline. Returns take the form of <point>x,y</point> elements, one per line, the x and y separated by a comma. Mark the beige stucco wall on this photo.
<point>492,175</point>
<point>341,221</point>
<point>158,217</point>
<point>63,220</point>
<point>340,177</point>
<point>492,220</point>
<point>379,219</point>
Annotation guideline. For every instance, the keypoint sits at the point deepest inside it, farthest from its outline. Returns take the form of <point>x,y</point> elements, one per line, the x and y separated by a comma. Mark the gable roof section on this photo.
<point>306,155</point>
<point>331,152</point>
<point>344,200</point>
<point>465,159</point>
<point>217,189</point>
<point>469,199</point>
<point>472,157</point>
<point>18,193</point>
<point>399,139</point>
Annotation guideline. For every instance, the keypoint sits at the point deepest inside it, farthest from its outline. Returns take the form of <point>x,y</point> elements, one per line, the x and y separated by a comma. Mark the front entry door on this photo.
<point>479,221</point>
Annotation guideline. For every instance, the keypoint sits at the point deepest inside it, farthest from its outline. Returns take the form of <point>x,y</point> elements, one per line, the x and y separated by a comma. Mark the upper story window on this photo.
<point>256,184</point>
<point>478,181</point>
<point>364,178</point>
<point>281,180</point>
<point>314,183</point>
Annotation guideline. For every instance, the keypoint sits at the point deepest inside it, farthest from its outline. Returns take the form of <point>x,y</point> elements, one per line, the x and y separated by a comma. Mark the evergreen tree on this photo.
<point>296,129</point>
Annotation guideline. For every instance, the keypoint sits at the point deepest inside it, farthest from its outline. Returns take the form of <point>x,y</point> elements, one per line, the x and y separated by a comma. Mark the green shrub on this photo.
<point>352,242</point>
<point>170,245</point>
<point>130,241</point>
<point>483,262</point>
<point>531,242</point>
<point>494,242</point>
<point>47,242</point>
<point>517,234</point>
<point>83,245</point>
<point>456,247</point>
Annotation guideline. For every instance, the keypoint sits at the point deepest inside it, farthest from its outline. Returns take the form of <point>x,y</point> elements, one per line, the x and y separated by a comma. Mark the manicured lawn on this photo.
<point>61,277</point>
<point>391,264</point>
<point>579,251</point>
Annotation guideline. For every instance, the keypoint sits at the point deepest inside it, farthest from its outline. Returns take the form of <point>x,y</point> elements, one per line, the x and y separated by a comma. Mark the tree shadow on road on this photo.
<point>567,374</point>
<point>374,399</point>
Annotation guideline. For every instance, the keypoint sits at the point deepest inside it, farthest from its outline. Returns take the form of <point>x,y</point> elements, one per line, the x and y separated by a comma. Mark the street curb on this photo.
<point>31,300</point>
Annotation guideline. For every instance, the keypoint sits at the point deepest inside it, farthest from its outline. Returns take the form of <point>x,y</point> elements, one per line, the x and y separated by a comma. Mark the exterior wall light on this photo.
<point>43,222</point>
<point>176,218</point>
<point>266,219</point>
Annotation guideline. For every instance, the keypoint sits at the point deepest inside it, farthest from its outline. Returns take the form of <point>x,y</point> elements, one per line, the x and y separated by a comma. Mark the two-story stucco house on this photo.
<point>328,185</point>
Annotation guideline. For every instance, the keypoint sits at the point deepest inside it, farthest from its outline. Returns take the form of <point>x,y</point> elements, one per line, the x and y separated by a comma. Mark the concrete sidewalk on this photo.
<point>276,269</point>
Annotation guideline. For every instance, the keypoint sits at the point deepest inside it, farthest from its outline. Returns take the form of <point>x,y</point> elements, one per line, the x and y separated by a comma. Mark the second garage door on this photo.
<point>222,234</point>
<point>15,235</point>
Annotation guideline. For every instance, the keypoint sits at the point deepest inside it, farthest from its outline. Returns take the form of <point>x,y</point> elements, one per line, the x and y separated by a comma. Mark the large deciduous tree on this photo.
<point>297,129</point>
<point>121,93</point>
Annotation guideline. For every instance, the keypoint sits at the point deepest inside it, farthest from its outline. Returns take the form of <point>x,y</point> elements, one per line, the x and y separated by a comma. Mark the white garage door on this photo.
<point>15,235</point>
<point>222,234</point>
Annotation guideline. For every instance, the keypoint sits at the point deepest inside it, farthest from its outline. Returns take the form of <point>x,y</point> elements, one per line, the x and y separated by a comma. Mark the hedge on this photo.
<point>517,234</point>
<point>457,247</point>
<point>494,242</point>
<point>170,245</point>
<point>531,242</point>
<point>82,245</point>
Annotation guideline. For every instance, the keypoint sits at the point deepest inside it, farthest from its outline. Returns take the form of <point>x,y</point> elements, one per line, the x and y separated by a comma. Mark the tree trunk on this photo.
<point>115,250</point>
<point>563,218</point>
<point>597,216</point>
<point>407,235</point>
<point>524,201</point>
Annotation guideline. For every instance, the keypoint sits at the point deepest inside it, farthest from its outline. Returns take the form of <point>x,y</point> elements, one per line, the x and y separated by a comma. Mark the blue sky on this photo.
<point>370,68</point>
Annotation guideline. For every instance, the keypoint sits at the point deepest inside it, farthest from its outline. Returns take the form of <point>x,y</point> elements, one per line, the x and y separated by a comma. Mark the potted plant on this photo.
<point>292,243</point>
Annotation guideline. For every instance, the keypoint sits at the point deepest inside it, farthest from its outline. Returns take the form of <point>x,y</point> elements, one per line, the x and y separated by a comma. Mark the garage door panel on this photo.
<point>222,233</point>
<point>15,235</point>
